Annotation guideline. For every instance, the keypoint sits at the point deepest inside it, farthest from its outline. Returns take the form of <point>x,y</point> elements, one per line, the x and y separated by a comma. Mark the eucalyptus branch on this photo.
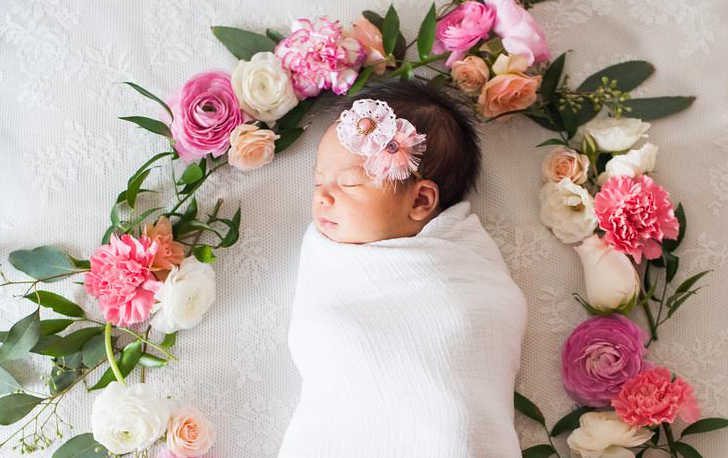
<point>150,343</point>
<point>35,282</point>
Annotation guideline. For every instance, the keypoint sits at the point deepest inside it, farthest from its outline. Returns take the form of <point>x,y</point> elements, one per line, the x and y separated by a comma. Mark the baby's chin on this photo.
<point>336,234</point>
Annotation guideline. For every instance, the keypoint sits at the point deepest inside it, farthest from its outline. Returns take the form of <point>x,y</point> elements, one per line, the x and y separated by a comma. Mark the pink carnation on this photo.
<point>319,58</point>
<point>650,398</point>
<point>121,278</point>
<point>636,215</point>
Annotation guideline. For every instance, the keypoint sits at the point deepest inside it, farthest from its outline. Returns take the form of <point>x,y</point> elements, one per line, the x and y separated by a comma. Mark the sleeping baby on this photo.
<point>406,326</point>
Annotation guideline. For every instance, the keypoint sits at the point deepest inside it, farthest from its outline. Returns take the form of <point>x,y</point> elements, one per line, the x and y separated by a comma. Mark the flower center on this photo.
<point>392,147</point>
<point>365,126</point>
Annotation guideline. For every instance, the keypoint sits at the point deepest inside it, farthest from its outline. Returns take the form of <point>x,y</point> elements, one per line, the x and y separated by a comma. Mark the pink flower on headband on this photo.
<point>400,157</point>
<point>367,127</point>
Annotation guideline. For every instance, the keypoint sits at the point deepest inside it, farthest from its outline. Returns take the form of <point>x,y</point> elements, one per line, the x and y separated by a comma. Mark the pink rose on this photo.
<point>508,92</point>
<point>470,74</point>
<point>252,148</point>
<point>189,433</point>
<point>562,162</point>
<point>205,112</point>
<point>169,253</point>
<point>463,27</point>
<point>370,37</point>
<point>122,279</point>
<point>650,398</point>
<point>636,215</point>
<point>520,33</point>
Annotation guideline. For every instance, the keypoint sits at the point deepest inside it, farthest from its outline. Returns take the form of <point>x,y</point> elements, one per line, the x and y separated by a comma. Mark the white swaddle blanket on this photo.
<point>407,347</point>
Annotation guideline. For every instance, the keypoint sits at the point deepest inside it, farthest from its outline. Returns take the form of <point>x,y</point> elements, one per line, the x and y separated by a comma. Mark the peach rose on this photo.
<point>370,37</point>
<point>189,433</point>
<point>470,74</point>
<point>562,162</point>
<point>506,93</point>
<point>251,147</point>
<point>169,253</point>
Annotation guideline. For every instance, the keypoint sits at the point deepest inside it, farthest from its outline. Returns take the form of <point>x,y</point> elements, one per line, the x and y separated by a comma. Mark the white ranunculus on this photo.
<point>611,279</point>
<point>613,134</point>
<point>128,418</point>
<point>634,163</point>
<point>263,87</point>
<point>568,209</point>
<point>185,296</point>
<point>605,435</point>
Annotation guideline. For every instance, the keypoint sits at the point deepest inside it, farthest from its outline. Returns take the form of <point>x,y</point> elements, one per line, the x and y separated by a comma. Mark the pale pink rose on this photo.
<point>121,278</point>
<point>165,453</point>
<point>508,92</point>
<point>462,28</point>
<point>562,162</point>
<point>520,33</point>
<point>169,253</point>
<point>470,74</point>
<point>650,398</point>
<point>189,433</point>
<point>370,37</point>
<point>252,148</point>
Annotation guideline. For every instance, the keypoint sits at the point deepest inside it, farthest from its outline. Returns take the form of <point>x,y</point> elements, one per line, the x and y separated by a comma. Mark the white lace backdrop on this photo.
<point>65,157</point>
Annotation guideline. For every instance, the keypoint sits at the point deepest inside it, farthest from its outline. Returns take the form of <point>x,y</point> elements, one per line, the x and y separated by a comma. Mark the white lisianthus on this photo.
<point>568,209</point>
<point>613,134</point>
<point>128,418</point>
<point>263,87</point>
<point>605,435</point>
<point>611,279</point>
<point>187,293</point>
<point>633,163</point>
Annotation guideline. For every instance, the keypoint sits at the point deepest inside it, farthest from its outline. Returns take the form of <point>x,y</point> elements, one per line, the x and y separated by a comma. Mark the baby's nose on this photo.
<point>325,199</point>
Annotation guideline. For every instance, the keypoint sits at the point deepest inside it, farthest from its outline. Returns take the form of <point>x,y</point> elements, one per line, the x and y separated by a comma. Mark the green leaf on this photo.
<point>192,174</point>
<point>169,341</point>
<point>669,244</point>
<point>142,217</point>
<point>189,215</point>
<point>287,138</point>
<point>687,284</point>
<point>81,446</point>
<point>552,141</point>
<point>538,451</point>
<point>672,262</point>
<point>528,408</point>
<point>129,359</point>
<point>648,109</point>
<point>107,235</point>
<point>7,383</point>
<point>233,233</point>
<point>72,343</point>
<point>628,74</point>
<point>676,300</point>
<point>66,370</point>
<point>552,77</point>
<point>144,166</point>
<point>14,407</point>
<point>21,338</point>
<point>401,47</point>
<point>294,117</point>
<point>407,72</point>
<point>94,350</point>
<point>133,188</point>
<point>705,425</point>
<point>361,80</point>
<point>243,44</point>
<point>570,421</point>
<point>274,35</point>
<point>152,125</point>
<point>49,327</point>
<point>80,263</point>
<point>426,36</point>
<point>57,303</point>
<point>686,450</point>
<point>390,30</point>
<point>204,253</point>
<point>148,360</point>
<point>42,262</point>
<point>148,94</point>
<point>438,81</point>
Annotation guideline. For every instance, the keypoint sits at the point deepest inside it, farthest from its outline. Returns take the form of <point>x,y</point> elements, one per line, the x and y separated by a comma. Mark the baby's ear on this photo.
<point>426,199</point>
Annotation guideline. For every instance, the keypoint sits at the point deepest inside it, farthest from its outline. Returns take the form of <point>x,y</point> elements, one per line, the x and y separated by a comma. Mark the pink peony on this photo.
<point>636,215</point>
<point>205,112</point>
<point>122,279</point>
<point>599,356</point>
<point>651,398</point>
<point>520,32</point>
<point>319,57</point>
<point>462,28</point>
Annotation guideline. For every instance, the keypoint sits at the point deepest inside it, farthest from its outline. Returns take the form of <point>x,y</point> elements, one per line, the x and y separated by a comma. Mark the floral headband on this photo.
<point>391,145</point>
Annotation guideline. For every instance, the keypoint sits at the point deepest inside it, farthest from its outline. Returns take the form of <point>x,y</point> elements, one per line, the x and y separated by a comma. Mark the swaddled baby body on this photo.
<point>406,327</point>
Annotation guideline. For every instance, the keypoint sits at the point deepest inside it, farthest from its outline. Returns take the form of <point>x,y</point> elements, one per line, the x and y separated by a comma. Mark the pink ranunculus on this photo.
<point>122,279</point>
<point>205,112</point>
<point>650,398</point>
<point>599,356</point>
<point>636,215</point>
<point>462,28</point>
<point>519,31</point>
<point>319,57</point>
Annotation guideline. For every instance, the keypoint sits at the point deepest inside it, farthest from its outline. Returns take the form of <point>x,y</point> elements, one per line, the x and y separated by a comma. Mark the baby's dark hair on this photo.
<point>452,158</point>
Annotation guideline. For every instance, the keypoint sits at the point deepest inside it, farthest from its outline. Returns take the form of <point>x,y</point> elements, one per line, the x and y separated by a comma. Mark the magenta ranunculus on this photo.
<point>205,112</point>
<point>599,356</point>
<point>121,278</point>
<point>319,58</point>
<point>636,215</point>
<point>651,398</point>
<point>463,27</point>
<point>520,32</point>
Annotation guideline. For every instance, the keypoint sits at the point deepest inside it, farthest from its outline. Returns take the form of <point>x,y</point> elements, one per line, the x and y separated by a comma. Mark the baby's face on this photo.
<point>348,206</point>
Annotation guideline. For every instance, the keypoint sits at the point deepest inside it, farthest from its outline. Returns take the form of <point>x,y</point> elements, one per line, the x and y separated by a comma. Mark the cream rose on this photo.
<point>510,89</point>
<point>470,74</point>
<point>613,134</point>
<point>187,293</point>
<point>251,147</point>
<point>263,87</point>
<point>189,433</point>
<point>605,435</point>
<point>568,209</point>
<point>633,163</point>
<point>562,162</point>
<point>128,418</point>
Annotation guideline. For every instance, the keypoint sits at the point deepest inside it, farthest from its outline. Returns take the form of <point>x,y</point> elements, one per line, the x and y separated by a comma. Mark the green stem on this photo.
<point>670,438</point>
<point>650,320</point>
<point>425,61</point>
<point>209,221</point>
<point>110,354</point>
<point>151,344</point>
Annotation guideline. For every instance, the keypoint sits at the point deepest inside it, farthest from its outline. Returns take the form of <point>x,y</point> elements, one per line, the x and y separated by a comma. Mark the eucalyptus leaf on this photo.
<point>72,343</point>
<point>149,95</point>
<point>65,371</point>
<point>80,263</point>
<point>21,338</point>
<point>243,44</point>
<point>8,384</point>
<point>528,408</point>
<point>152,125</point>
<point>57,303</point>
<point>129,359</point>
<point>81,446</point>
<point>426,36</point>
<point>42,262</point>
<point>538,451</point>
<point>14,407</point>
<point>50,327</point>
<point>649,109</point>
<point>94,350</point>
<point>274,35</point>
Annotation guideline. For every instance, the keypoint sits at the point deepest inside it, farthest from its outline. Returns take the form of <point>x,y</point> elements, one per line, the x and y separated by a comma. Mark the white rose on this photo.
<point>611,279</point>
<point>568,209</point>
<point>128,418</point>
<point>635,162</point>
<point>605,435</point>
<point>185,296</point>
<point>263,87</point>
<point>612,134</point>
